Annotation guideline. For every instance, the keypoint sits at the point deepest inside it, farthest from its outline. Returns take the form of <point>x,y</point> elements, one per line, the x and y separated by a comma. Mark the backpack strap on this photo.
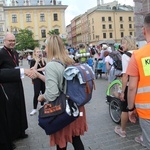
<point>91,75</point>
<point>88,90</point>
<point>93,79</point>
<point>55,60</point>
<point>128,53</point>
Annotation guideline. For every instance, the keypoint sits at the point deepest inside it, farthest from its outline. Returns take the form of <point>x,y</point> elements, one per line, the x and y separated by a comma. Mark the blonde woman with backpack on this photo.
<point>54,81</point>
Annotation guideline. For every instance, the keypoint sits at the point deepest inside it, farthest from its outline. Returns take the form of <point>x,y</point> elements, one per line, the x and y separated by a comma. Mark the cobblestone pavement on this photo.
<point>100,135</point>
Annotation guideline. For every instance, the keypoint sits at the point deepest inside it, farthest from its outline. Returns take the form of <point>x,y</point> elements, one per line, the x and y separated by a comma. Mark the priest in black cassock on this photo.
<point>16,110</point>
<point>5,140</point>
<point>8,76</point>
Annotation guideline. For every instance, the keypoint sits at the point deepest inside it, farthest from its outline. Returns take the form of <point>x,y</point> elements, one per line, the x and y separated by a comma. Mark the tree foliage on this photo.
<point>52,32</point>
<point>24,40</point>
<point>55,31</point>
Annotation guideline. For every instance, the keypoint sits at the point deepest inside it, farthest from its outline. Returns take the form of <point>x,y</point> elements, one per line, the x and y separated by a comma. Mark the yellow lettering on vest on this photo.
<point>146,66</point>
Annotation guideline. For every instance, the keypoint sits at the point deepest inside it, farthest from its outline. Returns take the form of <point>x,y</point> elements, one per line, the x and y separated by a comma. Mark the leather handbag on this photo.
<point>57,114</point>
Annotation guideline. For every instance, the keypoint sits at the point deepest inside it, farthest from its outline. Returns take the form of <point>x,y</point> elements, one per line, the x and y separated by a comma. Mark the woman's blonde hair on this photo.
<point>131,43</point>
<point>34,52</point>
<point>56,50</point>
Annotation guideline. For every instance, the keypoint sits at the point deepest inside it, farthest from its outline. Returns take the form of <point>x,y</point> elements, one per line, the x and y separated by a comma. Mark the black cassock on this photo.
<point>16,110</point>
<point>6,75</point>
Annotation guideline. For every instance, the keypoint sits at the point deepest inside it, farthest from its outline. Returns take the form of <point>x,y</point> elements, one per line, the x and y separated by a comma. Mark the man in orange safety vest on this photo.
<point>139,87</point>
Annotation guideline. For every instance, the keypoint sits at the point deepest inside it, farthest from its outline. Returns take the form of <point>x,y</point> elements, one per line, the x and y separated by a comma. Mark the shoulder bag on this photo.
<point>57,114</point>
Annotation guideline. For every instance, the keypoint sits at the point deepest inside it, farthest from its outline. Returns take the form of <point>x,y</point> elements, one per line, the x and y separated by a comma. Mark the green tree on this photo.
<point>24,40</point>
<point>55,31</point>
<point>52,32</point>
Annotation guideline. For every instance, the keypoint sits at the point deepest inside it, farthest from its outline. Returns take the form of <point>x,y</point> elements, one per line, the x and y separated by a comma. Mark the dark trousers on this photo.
<point>39,85</point>
<point>124,104</point>
<point>76,142</point>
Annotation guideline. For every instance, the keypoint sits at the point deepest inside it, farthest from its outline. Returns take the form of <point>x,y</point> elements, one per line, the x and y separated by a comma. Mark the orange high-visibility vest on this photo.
<point>142,100</point>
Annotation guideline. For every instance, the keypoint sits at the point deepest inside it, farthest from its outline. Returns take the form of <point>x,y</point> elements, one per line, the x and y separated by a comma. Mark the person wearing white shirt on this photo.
<point>128,44</point>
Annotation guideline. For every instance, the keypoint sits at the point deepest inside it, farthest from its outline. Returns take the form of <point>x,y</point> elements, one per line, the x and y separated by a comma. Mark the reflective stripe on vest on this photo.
<point>143,106</point>
<point>142,98</point>
<point>143,90</point>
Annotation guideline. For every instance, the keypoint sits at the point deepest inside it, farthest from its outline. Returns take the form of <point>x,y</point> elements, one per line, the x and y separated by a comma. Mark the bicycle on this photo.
<point>112,96</point>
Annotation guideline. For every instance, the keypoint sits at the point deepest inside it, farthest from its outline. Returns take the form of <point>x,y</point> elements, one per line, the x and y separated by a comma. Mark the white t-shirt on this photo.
<point>29,57</point>
<point>111,75</point>
<point>109,59</point>
<point>102,53</point>
<point>125,62</point>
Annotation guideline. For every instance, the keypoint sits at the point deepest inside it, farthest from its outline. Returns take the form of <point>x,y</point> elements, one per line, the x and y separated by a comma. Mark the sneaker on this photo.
<point>119,131</point>
<point>33,112</point>
<point>139,139</point>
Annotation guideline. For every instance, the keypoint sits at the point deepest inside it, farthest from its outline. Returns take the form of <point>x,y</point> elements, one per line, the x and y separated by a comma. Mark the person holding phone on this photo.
<point>37,63</point>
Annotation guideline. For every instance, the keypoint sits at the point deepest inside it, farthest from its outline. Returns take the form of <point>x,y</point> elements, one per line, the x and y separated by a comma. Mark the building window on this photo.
<point>110,35</point>
<point>92,20</point>
<point>109,18</point>
<point>121,26</point>
<point>93,36</point>
<point>90,37</point>
<point>104,35</point>
<point>103,18</point>
<point>130,33</point>
<point>104,26</point>
<point>122,34</point>
<point>28,18</point>
<point>55,17</point>
<point>15,32</point>
<point>93,28</point>
<point>42,17</point>
<point>1,28</point>
<point>41,2</point>
<point>43,33</point>
<point>130,26</point>
<point>56,30</point>
<point>130,19</point>
<point>121,18</point>
<point>27,2</point>
<point>14,18</point>
<point>110,26</point>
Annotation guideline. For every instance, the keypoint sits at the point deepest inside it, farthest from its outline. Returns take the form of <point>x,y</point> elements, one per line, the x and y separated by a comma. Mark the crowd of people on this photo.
<point>47,81</point>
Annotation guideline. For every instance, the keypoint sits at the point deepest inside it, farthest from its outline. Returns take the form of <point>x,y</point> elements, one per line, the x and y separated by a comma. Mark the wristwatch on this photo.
<point>131,108</point>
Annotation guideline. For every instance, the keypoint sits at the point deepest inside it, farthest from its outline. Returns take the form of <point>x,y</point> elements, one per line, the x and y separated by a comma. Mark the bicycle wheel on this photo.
<point>114,110</point>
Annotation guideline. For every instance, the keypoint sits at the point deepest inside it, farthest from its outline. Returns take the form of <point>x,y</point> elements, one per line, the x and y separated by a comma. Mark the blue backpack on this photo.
<point>80,83</point>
